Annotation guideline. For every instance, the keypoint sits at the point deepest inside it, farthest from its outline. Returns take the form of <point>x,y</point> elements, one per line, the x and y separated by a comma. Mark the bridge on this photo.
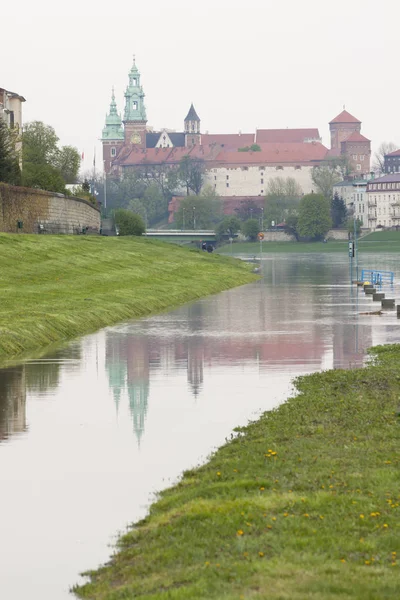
<point>185,236</point>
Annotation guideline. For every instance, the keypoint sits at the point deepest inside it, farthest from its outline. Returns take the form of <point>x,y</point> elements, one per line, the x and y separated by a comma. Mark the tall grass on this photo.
<point>55,288</point>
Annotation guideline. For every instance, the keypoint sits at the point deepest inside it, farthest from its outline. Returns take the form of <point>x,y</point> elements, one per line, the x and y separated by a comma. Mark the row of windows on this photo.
<point>355,157</point>
<point>385,186</point>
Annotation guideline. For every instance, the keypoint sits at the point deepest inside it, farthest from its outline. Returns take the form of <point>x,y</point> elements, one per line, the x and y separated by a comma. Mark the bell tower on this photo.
<point>192,128</point>
<point>135,112</point>
<point>112,135</point>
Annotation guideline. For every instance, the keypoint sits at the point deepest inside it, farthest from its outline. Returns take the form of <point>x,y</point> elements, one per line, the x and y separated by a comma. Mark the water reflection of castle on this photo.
<point>272,326</point>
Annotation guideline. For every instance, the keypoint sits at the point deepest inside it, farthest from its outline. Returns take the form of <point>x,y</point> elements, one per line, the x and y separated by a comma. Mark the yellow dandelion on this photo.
<point>321,517</point>
<point>361,516</point>
<point>306,515</point>
<point>367,562</point>
<point>274,518</point>
<point>240,532</point>
<point>269,526</point>
<point>235,470</point>
<point>261,554</point>
<point>285,514</point>
<point>273,453</point>
<point>245,553</point>
<point>217,565</point>
<point>385,525</point>
<point>218,474</point>
<point>388,462</point>
<point>343,560</point>
<point>207,564</point>
<point>262,489</point>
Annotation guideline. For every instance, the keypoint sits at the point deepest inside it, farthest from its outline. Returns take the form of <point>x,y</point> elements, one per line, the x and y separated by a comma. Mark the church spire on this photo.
<point>192,127</point>
<point>134,97</point>
<point>113,127</point>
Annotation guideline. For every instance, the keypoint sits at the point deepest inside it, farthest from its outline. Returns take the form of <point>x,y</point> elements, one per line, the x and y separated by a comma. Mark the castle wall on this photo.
<point>55,212</point>
<point>253,181</point>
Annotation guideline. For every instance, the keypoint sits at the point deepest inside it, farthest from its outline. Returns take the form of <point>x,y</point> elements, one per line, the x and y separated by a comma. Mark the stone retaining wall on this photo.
<point>45,212</point>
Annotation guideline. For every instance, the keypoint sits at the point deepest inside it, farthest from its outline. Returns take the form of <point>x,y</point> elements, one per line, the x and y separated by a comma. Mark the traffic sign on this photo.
<point>261,236</point>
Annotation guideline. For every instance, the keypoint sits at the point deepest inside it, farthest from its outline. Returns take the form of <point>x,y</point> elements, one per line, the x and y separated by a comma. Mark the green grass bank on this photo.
<point>382,241</point>
<point>55,288</point>
<point>303,504</point>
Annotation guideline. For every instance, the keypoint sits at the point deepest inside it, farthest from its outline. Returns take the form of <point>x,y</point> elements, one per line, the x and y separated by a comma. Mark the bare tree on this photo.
<point>379,156</point>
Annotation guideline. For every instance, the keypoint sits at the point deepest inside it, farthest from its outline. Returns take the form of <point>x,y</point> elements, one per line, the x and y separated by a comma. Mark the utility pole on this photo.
<point>105,188</point>
<point>194,217</point>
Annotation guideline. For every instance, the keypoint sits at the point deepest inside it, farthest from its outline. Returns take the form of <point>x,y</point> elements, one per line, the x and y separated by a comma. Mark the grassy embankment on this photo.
<point>55,288</point>
<point>379,241</point>
<point>303,504</point>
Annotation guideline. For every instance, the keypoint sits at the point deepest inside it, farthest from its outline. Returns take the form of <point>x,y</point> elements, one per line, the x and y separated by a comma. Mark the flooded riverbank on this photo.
<point>89,433</point>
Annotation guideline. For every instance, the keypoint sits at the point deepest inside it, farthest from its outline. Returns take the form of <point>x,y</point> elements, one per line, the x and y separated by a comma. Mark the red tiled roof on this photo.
<point>137,156</point>
<point>357,137</point>
<point>345,117</point>
<point>228,140</point>
<point>286,135</point>
<point>275,154</point>
<point>332,153</point>
<point>394,153</point>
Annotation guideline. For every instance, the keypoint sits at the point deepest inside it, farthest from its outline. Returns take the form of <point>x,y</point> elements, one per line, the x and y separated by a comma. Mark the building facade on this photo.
<point>392,162</point>
<point>383,197</point>
<point>347,140</point>
<point>354,194</point>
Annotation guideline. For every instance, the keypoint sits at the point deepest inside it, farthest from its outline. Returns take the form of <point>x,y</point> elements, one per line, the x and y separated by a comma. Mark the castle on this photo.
<point>236,165</point>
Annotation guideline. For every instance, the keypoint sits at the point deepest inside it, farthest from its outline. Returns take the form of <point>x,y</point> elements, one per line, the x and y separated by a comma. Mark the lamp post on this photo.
<point>183,218</point>
<point>194,217</point>
<point>262,218</point>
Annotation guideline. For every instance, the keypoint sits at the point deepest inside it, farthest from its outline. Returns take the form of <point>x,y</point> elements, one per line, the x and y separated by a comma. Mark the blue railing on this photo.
<point>377,277</point>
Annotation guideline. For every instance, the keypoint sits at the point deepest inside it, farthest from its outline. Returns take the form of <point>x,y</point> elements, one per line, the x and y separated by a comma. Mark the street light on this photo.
<point>262,218</point>
<point>194,217</point>
<point>183,219</point>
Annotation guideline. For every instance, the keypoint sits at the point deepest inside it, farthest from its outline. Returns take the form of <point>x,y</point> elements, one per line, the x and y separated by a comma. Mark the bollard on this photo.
<point>378,297</point>
<point>388,303</point>
<point>370,290</point>
<point>398,311</point>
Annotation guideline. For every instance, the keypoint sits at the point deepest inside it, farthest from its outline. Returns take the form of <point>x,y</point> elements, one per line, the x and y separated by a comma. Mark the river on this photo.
<point>89,433</point>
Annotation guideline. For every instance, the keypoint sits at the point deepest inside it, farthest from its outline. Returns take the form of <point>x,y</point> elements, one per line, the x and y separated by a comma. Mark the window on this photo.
<point>227,176</point>
<point>297,168</point>
<point>354,156</point>
<point>215,177</point>
<point>262,191</point>
<point>280,168</point>
<point>227,185</point>
<point>262,181</point>
<point>362,156</point>
<point>134,81</point>
<point>113,151</point>
<point>358,167</point>
<point>134,105</point>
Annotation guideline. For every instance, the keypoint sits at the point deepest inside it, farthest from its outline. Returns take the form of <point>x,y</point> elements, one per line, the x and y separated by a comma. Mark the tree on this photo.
<point>247,209</point>
<point>350,226</point>
<point>42,176</point>
<point>314,217</point>
<point>191,174</point>
<point>251,229</point>
<point>325,177</point>
<point>282,198</point>
<point>229,226</point>
<point>9,164</point>
<point>199,212</point>
<point>128,223</point>
<point>379,156</point>
<point>44,164</point>
<point>291,225</point>
<point>39,143</point>
<point>67,161</point>
<point>338,211</point>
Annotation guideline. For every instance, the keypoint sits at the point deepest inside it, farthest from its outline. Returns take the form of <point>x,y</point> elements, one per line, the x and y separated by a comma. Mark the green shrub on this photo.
<point>128,223</point>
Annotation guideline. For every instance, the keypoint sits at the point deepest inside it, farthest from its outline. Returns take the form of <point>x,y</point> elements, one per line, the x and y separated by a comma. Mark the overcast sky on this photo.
<point>266,64</point>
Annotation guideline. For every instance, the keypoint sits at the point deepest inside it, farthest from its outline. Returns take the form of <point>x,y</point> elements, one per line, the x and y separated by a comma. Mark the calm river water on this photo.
<point>89,433</point>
